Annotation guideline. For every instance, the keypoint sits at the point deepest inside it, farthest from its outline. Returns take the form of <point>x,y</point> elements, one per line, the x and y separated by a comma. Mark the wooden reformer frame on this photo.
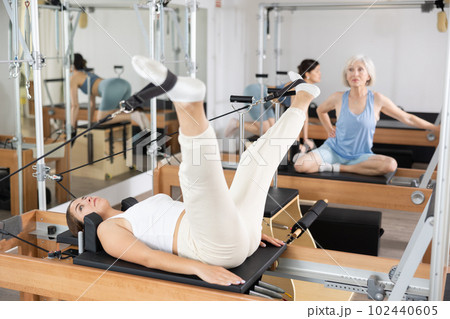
<point>394,136</point>
<point>338,192</point>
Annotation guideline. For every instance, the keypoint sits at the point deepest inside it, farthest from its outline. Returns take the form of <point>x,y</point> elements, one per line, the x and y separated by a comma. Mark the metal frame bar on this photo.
<point>37,66</point>
<point>18,132</point>
<point>340,276</point>
<point>67,41</point>
<point>191,6</point>
<point>345,5</point>
<point>152,148</point>
<point>440,249</point>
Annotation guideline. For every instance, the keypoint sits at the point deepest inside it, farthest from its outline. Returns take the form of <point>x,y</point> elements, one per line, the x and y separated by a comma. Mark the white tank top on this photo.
<point>153,221</point>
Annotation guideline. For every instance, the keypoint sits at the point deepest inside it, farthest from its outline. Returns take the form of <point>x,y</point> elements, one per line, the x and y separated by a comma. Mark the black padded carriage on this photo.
<point>251,270</point>
<point>348,177</point>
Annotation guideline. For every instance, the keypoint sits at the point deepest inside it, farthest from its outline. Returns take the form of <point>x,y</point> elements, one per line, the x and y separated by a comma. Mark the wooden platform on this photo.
<point>395,136</point>
<point>337,192</point>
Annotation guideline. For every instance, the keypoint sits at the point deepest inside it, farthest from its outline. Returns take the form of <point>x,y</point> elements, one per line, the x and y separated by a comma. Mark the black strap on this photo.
<point>150,91</point>
<point>283,91</point>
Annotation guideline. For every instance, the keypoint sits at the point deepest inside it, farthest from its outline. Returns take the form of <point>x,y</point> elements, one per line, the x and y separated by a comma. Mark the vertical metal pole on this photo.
<point>68,53</point>
<point>186,37</point>
<point>277,116</point>
<point>18,131</point>
<point>193,37</point>
<point>57,36</point>
<point>440,248</point>
<point>90,137</point>
<point>37,66</point>
<point>152,149</point>
<point>261,55</point>
<point>277,44</point>
<point>162,57</point>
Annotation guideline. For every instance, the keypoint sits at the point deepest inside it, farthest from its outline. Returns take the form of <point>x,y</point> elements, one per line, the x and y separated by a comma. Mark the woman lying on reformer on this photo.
<point>349,144</point>
<point>216,227</point>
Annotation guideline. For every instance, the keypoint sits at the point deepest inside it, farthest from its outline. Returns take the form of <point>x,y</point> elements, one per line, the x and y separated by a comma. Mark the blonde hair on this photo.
<point>368,64</point>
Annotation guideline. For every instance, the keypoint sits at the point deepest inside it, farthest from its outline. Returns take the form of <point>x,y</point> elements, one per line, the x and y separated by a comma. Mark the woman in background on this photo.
<point>349,144</point>
<point>309,69</point>
<point>112,91</point>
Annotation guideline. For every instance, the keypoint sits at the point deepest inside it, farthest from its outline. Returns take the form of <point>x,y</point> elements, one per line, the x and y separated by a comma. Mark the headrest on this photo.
<point>91,241</point>
<point>127,203</point>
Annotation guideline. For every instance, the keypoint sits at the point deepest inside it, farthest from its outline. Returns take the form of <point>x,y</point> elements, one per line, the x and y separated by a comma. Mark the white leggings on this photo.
<point>222,226</point>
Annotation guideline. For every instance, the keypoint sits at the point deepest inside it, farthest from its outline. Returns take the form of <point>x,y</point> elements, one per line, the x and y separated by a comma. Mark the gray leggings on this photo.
<point>112,92</point>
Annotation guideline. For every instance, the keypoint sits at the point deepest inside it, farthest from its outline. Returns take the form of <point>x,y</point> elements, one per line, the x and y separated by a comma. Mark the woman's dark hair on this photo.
<point>79,62</point>
<point>74,224</point>
<point>307,65</point>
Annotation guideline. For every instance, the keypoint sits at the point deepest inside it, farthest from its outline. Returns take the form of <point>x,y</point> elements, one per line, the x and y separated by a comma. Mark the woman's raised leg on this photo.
<point>261,160</point>
<point>215,229</point>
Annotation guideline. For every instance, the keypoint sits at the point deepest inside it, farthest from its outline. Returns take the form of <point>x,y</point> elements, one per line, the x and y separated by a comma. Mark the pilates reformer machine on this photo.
<point>114,286</point>
<point>299,266</point>
<point>405,189</point>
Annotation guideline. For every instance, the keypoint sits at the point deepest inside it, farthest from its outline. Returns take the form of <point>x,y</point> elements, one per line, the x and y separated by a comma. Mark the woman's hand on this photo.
<point>309,142</point>
<point>332,132</point>
<point>436,129</point>
<point>274,241</point>
<point>218,275</point>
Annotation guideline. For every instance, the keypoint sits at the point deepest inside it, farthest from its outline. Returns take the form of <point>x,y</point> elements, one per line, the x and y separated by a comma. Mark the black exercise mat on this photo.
<point>251,270</point>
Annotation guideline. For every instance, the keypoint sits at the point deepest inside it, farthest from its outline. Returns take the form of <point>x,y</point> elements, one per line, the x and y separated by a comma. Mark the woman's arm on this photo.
<point>92,101</point>
<point>322,112</point>
<point>306,140</point>
<point>389,108</point>
<point>119,242</point>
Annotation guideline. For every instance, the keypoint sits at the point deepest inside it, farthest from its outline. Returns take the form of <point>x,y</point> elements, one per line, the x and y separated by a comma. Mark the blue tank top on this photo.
<point>93,77</point>
<point>354,133</point>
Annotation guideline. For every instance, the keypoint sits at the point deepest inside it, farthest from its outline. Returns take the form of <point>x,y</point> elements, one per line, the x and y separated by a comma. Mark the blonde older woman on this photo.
<point>349,144</point>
